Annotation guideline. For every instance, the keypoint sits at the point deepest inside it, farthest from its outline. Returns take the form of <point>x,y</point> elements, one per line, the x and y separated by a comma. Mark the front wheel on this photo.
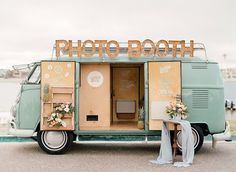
<point>55,142</point>
<point>197,135</point>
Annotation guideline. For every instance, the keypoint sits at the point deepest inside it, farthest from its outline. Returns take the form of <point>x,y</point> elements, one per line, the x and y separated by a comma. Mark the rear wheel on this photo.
<point>55,142</point>
<point>197,135</point>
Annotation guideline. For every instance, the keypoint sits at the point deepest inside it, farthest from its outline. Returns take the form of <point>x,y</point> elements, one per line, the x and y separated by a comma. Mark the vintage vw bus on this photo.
<point>105,88</point>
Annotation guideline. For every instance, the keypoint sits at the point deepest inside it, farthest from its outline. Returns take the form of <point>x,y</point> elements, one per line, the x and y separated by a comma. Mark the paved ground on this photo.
<point>27,157</point>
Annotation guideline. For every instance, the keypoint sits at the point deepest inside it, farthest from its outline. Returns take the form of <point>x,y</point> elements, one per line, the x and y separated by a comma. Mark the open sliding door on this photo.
<point>164,86</point>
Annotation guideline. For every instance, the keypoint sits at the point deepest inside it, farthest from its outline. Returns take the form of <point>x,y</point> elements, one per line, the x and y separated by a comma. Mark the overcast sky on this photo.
<point>29,28</point>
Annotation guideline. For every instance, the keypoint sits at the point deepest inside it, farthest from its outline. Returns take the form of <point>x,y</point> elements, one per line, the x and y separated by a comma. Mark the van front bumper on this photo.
<point>20,132</point>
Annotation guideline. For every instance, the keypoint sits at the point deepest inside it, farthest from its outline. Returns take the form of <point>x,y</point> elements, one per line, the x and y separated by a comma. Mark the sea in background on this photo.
<point>10,88</point>
<point>230,90</point>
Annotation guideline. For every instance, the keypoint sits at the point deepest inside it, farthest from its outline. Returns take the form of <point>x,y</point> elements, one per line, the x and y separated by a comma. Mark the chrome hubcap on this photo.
<point>54,139</point>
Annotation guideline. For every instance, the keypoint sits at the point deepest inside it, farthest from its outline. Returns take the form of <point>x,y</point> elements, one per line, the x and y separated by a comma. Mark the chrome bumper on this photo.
<point>226,136</point>
<point>19,132</point>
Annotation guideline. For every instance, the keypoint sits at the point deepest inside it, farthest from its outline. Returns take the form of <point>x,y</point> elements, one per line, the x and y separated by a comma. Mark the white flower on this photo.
<point>53,114</point>
<point>58,120</point>
<point>67,109</point>
<point>50,119</point>
<point>63,123</point>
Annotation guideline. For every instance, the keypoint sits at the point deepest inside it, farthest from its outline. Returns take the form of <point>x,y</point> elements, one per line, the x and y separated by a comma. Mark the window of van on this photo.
<point>35,76</point>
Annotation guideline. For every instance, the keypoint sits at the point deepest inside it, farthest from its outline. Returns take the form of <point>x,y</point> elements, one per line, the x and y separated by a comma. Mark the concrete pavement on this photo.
<point>17,157</point>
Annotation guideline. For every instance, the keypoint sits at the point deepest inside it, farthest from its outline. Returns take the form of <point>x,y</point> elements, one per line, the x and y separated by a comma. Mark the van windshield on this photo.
<point>35,76</point>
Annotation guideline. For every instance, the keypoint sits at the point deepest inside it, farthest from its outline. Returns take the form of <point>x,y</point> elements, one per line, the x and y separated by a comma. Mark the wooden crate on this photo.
<point>48,107</point>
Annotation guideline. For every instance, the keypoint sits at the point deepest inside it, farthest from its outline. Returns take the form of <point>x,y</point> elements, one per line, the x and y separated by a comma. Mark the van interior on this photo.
<point>111,96</point>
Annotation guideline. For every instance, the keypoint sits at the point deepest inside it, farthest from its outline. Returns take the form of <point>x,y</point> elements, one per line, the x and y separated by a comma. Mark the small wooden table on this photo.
<point>174,145</point>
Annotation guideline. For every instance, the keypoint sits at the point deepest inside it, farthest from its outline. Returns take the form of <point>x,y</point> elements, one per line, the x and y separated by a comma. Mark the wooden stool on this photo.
<point>175,147</point>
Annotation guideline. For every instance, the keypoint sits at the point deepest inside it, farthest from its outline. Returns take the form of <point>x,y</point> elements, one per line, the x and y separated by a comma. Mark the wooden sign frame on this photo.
<point>162,75</point>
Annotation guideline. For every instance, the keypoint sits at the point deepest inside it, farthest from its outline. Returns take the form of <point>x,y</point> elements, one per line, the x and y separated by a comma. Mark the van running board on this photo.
<point>112,141</point>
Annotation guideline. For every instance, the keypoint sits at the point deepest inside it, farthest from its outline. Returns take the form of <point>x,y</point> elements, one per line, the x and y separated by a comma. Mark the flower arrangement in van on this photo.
<point>64,108</point>
<point>141,115</point>
<point>177,109</point>
<point>56,117</point>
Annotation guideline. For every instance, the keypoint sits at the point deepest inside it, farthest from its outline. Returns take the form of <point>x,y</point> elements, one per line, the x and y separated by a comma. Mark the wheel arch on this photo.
<point>37,129</point>
<point>204,128</point>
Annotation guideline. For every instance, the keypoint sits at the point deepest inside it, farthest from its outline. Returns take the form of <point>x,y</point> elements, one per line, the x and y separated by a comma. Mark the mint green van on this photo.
<point>117,98</point>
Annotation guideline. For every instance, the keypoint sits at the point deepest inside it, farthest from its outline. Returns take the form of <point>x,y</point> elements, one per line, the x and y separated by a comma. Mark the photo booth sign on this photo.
<point>135,48</point>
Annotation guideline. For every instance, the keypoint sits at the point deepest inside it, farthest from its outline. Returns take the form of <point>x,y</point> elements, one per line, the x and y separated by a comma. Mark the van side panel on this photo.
<point>203,93</point>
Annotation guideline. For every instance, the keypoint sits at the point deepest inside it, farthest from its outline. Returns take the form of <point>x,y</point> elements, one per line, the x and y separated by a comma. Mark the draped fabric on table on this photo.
<point>165,155</point>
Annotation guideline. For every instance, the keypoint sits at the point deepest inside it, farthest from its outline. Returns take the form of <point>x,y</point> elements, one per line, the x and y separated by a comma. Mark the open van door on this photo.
<point>164,87</point>
<point>57,88</point>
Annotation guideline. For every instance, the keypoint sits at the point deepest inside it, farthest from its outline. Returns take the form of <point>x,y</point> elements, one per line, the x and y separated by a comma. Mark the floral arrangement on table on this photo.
<point>177,110</point>
<point>56,117</point>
